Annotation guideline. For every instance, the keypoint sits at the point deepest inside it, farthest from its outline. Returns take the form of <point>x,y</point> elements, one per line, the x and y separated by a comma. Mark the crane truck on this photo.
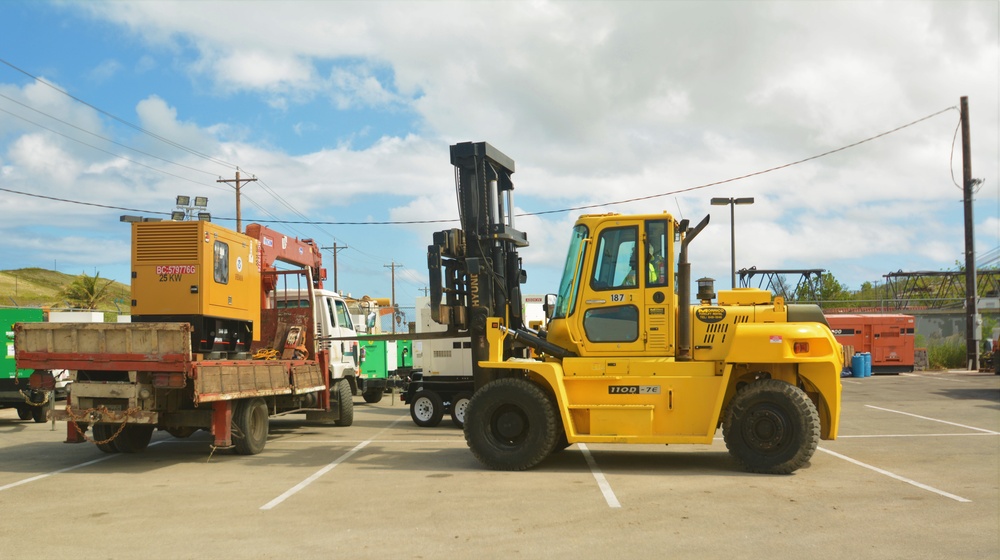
<point>626,356</point>
<point>220,340</point>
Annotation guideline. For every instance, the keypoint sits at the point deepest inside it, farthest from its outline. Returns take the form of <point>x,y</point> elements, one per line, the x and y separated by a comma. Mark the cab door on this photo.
<point>611,318</point>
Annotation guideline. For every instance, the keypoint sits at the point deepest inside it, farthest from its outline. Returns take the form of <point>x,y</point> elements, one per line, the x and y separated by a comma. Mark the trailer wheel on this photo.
<point>771,427</point>
<point>23,411</point>
<point>250,425</point>
<point>345,397</point>
<point>427,409</point>
<point>458,406</point>
<point>372,396</point>
<point>134,438</point>
<point>101,433</point>
<point>511,424</point>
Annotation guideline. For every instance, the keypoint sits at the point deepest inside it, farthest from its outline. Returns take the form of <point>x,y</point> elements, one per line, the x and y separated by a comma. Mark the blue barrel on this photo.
<point>858,365</point>
<point>868,363</point>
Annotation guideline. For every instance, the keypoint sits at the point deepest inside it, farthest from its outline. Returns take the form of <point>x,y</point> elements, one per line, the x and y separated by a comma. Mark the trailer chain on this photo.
<point>102,410</point>
<point>28,401</point>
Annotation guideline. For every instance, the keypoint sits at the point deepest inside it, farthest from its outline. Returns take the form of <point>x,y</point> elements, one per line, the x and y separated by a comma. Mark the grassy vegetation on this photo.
<point>38,287</point>
<point>944,353</point>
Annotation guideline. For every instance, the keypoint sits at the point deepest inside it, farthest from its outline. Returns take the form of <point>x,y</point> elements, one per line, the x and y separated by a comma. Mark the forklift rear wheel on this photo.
<point>250,426</point>
<point>511,424</point>
<point>771,427</point>
<point>458,406</point>
<point>427,409</point>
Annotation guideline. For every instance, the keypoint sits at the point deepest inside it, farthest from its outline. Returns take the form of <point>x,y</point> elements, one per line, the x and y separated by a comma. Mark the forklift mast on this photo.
<point>475,271</point>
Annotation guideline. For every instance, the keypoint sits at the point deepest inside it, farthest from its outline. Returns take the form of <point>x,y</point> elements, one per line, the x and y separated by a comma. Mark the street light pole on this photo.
<point>732,202</point>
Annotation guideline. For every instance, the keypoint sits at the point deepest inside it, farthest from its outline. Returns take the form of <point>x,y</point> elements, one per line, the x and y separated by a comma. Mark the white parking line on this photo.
<point>897,477</point>
<point>949,379</point>
<point>315,476</point>
<point>602,483</point>
<point>934,419</point>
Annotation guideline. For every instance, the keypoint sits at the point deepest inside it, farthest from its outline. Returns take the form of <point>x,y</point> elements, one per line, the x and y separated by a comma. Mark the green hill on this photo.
<point>38,287</point>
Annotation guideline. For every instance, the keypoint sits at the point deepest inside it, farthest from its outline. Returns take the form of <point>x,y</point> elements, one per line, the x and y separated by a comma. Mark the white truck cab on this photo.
<point>333,321</point>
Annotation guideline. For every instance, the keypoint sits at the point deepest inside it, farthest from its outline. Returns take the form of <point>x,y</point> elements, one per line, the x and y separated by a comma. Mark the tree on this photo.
<point>827,289</point>
<point>87,292</point>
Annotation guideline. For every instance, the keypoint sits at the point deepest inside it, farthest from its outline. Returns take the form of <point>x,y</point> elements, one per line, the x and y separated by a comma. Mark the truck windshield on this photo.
<point>566,301</point>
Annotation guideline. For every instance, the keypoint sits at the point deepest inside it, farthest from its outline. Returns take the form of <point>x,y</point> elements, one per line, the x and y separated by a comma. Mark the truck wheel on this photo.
<point>458,406</point>
<point>373,396</point>
<point>23,412</point>
<point>250,425</point>
<point>134,438</point>
<point>771,427</point>
<point>346,399</point>
<point>38,414</point>
<point>180,432</point>
<point>102,432</point>
<point>427,409</point>
<point>511,424</point>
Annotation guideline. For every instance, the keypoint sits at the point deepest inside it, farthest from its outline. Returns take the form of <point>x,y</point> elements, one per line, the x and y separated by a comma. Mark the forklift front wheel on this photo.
<point>511,424</point>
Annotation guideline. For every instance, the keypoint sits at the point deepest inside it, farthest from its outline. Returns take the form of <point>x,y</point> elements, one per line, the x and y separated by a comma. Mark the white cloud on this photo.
<point>597,102</point>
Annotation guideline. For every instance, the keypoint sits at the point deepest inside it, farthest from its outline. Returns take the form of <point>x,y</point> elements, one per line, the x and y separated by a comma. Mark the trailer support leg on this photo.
<point>222,418</point>
<point>73,434</point>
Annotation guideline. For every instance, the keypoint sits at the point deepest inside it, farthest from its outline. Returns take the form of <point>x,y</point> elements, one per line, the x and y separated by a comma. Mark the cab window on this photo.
<point>656,248</point>
<point>615,265</point>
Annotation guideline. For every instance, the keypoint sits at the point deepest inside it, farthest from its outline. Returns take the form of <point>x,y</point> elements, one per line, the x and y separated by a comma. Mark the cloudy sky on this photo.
<point>344,112</point>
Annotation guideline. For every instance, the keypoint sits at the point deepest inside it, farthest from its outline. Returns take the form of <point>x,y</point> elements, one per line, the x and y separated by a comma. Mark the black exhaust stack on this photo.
<point>684,290</point>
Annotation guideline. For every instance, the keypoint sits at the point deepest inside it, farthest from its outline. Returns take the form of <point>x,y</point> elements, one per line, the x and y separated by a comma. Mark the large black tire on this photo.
<point>372,396</point>
<point>38,414</point>
<point>459,404</point>
<point>511,424</point>
<point>345,397</point>
<point>102,432</point>
<point>427,409</point>
<point>134,438</point>
<point>250,426</point>
<point>24,412</point>
<point>771,427</point>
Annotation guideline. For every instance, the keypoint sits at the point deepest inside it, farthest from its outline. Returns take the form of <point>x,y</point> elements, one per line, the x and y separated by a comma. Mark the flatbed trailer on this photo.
<point>132,378</point>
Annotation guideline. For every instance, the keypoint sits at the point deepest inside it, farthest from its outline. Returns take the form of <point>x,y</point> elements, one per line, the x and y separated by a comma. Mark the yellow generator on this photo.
<point>199,273</point>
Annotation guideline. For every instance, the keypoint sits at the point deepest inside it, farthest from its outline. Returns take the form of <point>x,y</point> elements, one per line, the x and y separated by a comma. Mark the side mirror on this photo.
<point>549,306</point>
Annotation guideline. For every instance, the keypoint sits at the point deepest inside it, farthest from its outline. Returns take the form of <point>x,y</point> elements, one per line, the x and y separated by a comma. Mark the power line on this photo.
<point>55,118</point>
<point>119,119</point>
<point>544,212</point>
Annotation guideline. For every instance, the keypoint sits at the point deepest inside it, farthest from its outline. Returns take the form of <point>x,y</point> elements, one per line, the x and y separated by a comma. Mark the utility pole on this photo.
<point>972,320</point>
<point>393,266</point>
<point>335,248</point>
<point>239,222</point>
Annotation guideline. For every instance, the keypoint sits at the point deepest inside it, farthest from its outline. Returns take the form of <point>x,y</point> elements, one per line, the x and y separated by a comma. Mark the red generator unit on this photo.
<point>888,338</point>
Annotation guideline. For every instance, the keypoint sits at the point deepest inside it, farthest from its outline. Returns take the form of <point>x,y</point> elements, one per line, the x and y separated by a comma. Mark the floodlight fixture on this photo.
<point>183,200</point>
<point>205,216</point>
<point>177,215</point>
<point>201,202</point>
<point>732,202</point>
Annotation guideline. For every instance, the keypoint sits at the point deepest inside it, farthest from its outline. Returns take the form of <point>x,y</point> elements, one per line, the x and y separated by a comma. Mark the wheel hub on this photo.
<point>510,424</point>
<point>765,429</point>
